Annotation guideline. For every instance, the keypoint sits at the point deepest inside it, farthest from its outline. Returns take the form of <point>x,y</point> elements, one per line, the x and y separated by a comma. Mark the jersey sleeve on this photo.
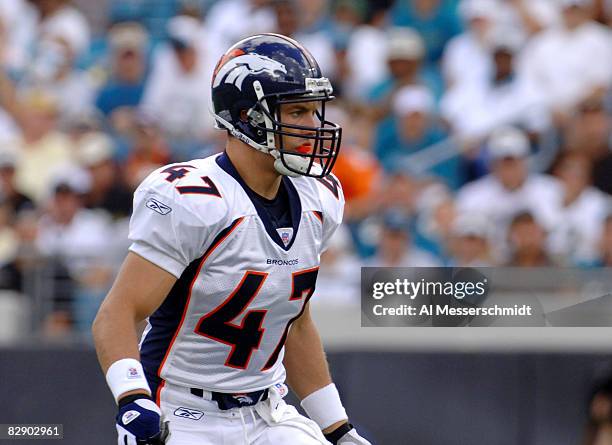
<point>169,229</point>
<point>332,204</point>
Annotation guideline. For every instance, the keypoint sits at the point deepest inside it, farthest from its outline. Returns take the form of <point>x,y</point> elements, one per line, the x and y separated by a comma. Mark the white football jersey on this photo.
<point>241,282</point>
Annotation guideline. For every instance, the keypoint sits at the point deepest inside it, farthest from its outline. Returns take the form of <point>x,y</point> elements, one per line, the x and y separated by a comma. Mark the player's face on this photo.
<point>511,171</point>
<point>303,114</point>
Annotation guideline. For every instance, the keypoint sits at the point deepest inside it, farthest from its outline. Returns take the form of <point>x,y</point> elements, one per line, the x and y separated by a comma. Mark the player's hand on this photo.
<point>346,435</point>
<point>352,438</point>
<point>139,422</point>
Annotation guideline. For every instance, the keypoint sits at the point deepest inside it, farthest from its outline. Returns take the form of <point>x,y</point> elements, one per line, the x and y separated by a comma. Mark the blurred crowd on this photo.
<point>477,132</point>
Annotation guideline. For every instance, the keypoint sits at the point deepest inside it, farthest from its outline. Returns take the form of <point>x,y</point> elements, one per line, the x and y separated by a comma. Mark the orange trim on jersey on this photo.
<point>204,258</point>
<point>158,393</point>
<point>318,214</point>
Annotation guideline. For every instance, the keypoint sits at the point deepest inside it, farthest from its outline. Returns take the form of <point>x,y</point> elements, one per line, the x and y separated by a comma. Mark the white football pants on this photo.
<point>195,420</point>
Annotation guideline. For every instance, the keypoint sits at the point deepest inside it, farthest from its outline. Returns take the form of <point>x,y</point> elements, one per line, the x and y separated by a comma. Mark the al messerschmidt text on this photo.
<point>409,310</point>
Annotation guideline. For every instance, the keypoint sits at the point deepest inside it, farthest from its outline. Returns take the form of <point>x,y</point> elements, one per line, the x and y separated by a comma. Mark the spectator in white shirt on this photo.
<point>78,238</point>
<point>53,70</point>
<point>582,210</point>
<point>231,20</point>
<point>571,62</point>
<point>177,92</point>
<point>59,18</point>
<point>17,33</point>
<point>510,188</point>
<point>368,38</point>
<point>504,98</point>
<point>466,57</point>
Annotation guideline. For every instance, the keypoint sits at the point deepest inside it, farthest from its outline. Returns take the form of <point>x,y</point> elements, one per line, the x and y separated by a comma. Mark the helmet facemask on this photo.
<point>317,159</point>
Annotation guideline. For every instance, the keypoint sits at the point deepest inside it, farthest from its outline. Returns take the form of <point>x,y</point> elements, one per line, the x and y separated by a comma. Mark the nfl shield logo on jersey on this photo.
<point>286,234</point>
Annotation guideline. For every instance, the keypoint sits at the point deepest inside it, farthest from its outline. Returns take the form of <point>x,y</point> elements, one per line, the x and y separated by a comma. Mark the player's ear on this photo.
<point>243,116</point>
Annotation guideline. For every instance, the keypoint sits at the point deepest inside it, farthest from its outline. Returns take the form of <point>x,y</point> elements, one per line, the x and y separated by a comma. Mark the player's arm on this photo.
<point>139,289</point>
<point>308,376</point>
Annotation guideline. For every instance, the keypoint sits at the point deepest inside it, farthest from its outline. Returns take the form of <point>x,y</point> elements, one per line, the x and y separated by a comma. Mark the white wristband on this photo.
<point>324,406</point>
<point>126,375</point>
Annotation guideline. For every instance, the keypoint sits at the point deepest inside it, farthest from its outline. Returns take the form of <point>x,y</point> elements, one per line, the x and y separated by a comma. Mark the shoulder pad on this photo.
<point>186,185</point>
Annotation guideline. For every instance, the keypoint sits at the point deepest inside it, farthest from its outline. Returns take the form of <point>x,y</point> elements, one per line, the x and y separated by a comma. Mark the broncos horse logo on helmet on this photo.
<point>237,69</point>
<point>250,83</point>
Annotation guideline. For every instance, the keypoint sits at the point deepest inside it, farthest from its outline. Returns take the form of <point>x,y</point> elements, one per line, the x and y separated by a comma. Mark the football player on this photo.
<point>224,260</point>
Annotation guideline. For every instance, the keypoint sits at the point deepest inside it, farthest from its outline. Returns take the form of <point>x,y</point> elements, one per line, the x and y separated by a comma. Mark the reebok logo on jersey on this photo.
<point>188,413</point>
<point>157,206</point>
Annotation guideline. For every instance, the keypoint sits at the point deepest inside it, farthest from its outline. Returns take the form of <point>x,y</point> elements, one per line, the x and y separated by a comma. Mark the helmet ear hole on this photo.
<point>244,116</point>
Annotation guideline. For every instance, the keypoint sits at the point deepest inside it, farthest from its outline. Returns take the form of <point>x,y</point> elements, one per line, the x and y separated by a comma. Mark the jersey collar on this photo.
<point>295,204</point>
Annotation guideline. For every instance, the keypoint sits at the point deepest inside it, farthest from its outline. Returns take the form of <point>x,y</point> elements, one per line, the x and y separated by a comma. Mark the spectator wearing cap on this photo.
<point>123,90</point>
<point>527,242</point>
<point>404,50</point>
<point>469,244</point>
<point>571,62</point>
<point>11,196</point>
<point>436,20</point>
<point>412,127</point>
<point>177,92</point>
<point>582,210</point>
<point>510,188</point>
<point>395,246</point>
<point>107,190</point>
<point>466,57</point>
<point>60,18</point>
<point>506,97</point>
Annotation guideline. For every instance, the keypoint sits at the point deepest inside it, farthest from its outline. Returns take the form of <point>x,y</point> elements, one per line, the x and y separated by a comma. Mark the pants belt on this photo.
<point>228,401</point>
